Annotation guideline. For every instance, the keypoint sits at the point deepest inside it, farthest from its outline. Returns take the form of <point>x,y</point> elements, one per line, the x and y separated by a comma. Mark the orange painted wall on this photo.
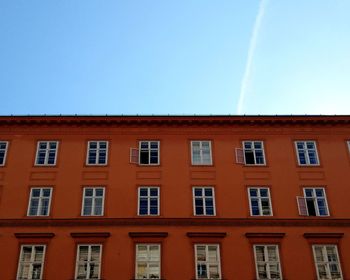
<point>175,176</point>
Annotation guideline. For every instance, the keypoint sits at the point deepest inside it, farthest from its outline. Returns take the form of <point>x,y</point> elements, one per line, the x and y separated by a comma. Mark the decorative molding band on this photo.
<point>93,222</point>
<point>337,235</point>
<point>265,234</point>
<point>207,234</point>
<point>148,234</point>
<point>34,234</point>
<point>173,120</point>
<point>90,234</point>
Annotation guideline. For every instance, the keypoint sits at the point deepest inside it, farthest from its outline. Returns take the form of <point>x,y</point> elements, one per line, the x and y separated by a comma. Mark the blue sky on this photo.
<point>174,57</point>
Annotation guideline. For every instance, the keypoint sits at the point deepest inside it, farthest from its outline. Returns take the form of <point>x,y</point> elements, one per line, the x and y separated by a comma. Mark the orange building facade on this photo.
<point>175,197</point>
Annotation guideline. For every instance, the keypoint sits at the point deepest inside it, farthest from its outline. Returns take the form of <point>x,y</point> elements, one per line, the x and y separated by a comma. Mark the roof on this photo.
<point>174,120</point>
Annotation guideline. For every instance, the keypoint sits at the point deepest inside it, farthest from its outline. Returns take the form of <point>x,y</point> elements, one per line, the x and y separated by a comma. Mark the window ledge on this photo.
<point>207,234</point>
<point>265,234</point>
<point>323,235</point>
<point>148,234</point>
<point>34,234</point>
<point>90,234</point>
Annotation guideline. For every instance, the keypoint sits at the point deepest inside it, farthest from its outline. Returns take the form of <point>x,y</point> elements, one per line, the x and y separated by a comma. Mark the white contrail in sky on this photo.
<point>251,52</point>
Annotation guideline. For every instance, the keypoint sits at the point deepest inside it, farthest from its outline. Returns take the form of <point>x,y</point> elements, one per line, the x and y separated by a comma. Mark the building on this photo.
<point>175,197</point>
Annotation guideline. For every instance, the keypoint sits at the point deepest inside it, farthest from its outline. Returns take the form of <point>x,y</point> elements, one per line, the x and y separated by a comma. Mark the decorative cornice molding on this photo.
<point>90,234</point>
<point>323,235</point>
<point>34,234</point>
<point>242,222</point>
<point>206,234</point>
<point>265,234</point>
<point>219,120</point>
<point>148,234</point>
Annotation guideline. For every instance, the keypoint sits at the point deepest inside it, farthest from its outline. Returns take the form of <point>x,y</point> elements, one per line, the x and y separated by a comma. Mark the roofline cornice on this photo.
<point>135,120</point>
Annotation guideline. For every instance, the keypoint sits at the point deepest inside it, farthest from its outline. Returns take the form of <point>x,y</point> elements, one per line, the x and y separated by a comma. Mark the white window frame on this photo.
<point>40,201</point>
<point>207,263</point>
<point>149,149</point>
<point>6,143</point>
<point>201,149</point>
<point>327,263</point>
<point>203,200</point>
<point>93,203</point>
<point>148,197</point>
<point>98,150</point>
<point>267,263</point>
<point>47,150</point>
<point>306,152</point>
<point>303,207</point>
<point>254,150</point>
<point>32,261</point>
<point>148,261</point>
<point>259,198</point>
<point>88,261</point>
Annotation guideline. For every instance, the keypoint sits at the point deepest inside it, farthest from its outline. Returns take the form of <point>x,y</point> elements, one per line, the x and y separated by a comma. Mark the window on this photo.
<point>204,201</point>
<point>207,261</point>
<point>93,201</point>
<point>147,261</point>
<point>3,152</point>
<point>39,202</point>
<point>314,202</point>
<point>307,152</point>
<point>31,262</point>
<point>201,152</point>
<point>88,264</point>
<point>148,201</point>
<point>349,145</point>
<point>46,153</point>
<point>260,202</point>
<point>97,153</point>
<point>327,262</point>
<point>149,152</point>
<point>253,152</point>
<point>267,262</point>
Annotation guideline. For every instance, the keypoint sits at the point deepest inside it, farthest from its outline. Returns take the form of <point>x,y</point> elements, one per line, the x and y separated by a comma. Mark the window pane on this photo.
<point>201,253</point>
<point>154,192</point>
<point>99,192</point>
<point>198,192</point>
<point>212,253</point>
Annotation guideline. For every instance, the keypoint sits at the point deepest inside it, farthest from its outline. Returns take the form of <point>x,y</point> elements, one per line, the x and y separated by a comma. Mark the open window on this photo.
<point>313,203</point>
<point>146,154</point>
<point>251,153</point>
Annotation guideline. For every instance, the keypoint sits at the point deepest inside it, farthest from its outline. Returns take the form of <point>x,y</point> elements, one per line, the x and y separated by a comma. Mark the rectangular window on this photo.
<point>3,152</point>
<point>148,201</point>
<point>204,201</point>
<point>267,262</point>
<point>147,261</point>
<point>201,152</point>
<point>260,202</point>
<point>31,262</point>
<point>97,153</point>
<point>348,145</point>
<point>149,152</point>
<point>253,152</point>
<point>207,261</point>
<point>46,153</point>
<point>314,202</point>
<point>88,264</point>
<point>327,262</point>
<point>39,202</point>
<point>93,201</point>
<point>307,152</point>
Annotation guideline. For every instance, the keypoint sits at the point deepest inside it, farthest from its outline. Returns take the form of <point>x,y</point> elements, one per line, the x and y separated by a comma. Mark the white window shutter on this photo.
<point>134,155</point>
<point>302,206</point>
<point>239,156</point>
